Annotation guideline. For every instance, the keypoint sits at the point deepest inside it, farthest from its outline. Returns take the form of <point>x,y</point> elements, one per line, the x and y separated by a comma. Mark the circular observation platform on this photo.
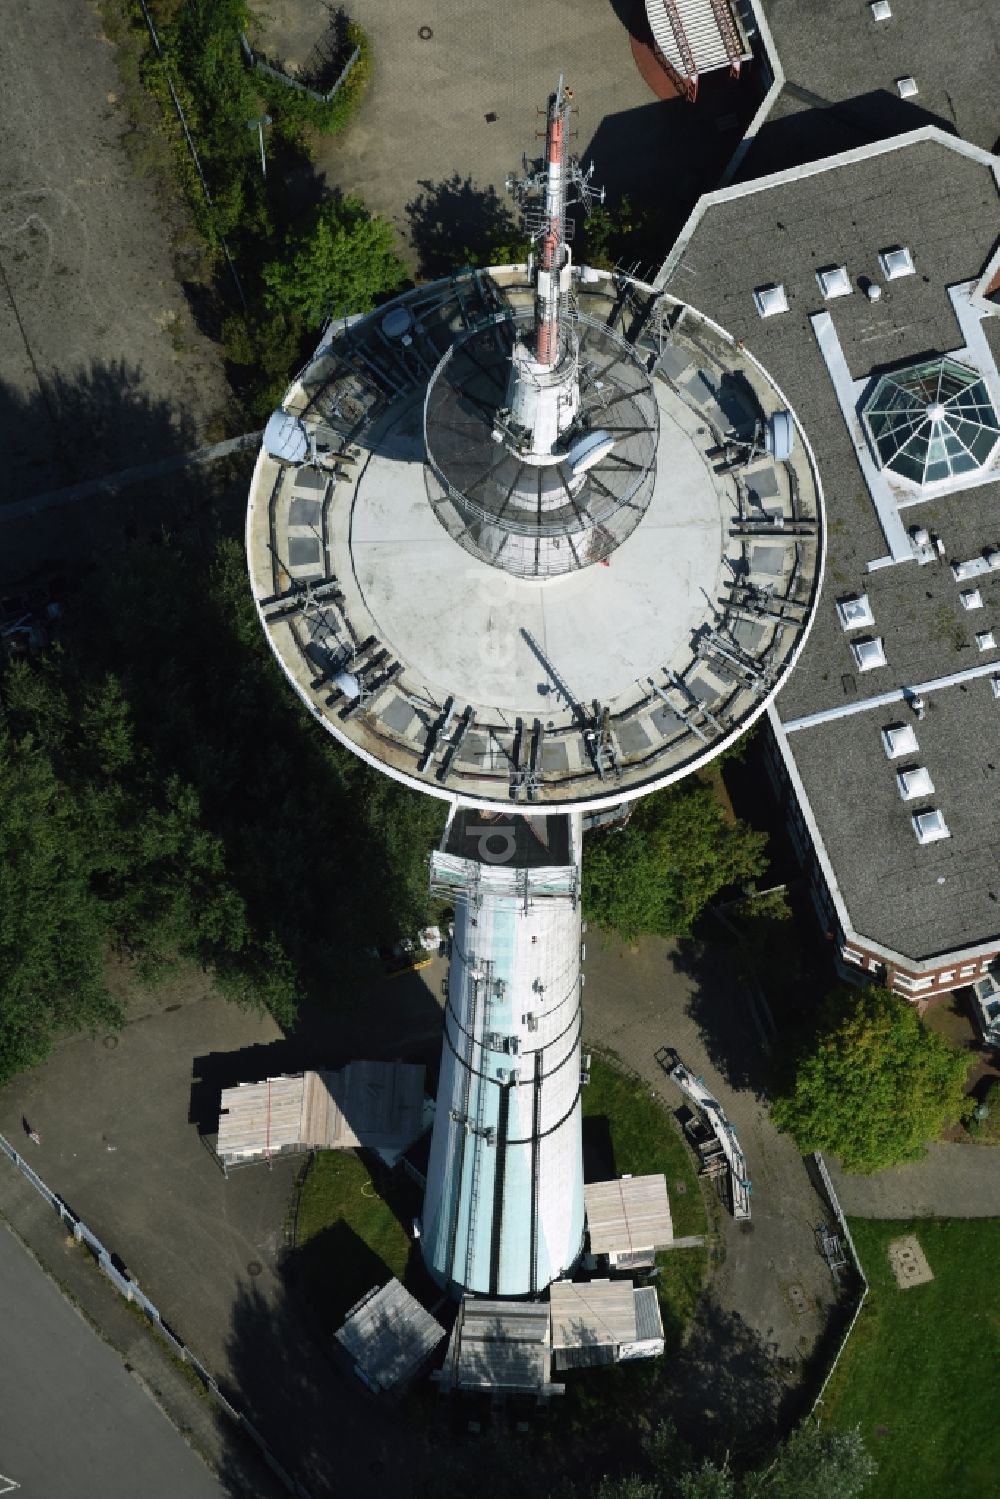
<point>386,597</point>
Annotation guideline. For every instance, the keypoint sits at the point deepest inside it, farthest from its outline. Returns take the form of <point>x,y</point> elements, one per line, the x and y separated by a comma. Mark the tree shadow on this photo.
<point>78,427</point>
<point>455,222</point>
<point>720,1006</point>
<point>726,1390</point>
<point>598,1149</point>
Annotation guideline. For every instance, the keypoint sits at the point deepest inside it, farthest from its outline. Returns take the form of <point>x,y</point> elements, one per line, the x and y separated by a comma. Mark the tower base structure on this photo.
<point>503,1210</point>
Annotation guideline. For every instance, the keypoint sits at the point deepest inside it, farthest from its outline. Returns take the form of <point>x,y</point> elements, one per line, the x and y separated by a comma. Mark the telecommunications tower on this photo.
<point>536,540</point>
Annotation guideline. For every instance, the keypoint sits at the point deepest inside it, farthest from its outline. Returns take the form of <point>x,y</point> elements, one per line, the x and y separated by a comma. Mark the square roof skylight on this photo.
<point>855,612</point>
<point>899,739</point>
<point>907,87</point>
<point>985,640</point>
<point>770,300</point>
<point>930,826</point>
<point>971,598</point>
<point>834,281</point>
<point>868,653</point>
<point>896,261</point>
<point>913,783</point>
<point>881,10</point>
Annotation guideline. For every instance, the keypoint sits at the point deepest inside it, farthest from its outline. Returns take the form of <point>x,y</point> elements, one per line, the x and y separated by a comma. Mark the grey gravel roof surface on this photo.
<point>841,68</point>
<point>915,195</point>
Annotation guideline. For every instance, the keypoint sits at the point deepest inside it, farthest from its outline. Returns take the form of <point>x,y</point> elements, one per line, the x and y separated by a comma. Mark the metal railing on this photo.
<point>130,1289</point>
<point>838,1211</point>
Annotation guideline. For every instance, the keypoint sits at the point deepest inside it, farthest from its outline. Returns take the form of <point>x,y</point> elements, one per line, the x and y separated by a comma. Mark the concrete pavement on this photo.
<point>74,1422</point>
<point>952,1181</point>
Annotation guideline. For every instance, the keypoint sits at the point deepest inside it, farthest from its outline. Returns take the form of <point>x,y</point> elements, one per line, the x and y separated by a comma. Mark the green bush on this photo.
<point>340,260</point>
<point>295,113</point>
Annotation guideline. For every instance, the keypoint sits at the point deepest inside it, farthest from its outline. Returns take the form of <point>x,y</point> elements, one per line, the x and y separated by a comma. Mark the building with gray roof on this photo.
<point>886,741</point>
<point>847,73</point>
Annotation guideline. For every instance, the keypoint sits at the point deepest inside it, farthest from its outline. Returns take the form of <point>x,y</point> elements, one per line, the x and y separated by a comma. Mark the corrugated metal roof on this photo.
<point>389,1335</point>
<point>628,1215</point>
<point>648,1321</point>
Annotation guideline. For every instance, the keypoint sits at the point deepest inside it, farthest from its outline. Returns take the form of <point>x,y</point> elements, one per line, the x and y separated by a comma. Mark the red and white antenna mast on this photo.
<point>543,394</point>
<point>553,251</point>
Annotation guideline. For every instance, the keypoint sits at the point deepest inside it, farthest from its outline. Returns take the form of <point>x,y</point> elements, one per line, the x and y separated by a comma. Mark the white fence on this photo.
<point>132,1291</point>
<point>839,1213</point>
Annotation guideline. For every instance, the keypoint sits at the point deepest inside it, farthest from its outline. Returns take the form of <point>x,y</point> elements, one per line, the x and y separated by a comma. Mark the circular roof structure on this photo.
<point>532,519</point>
<point>932,421</point>
<point>491,637</point>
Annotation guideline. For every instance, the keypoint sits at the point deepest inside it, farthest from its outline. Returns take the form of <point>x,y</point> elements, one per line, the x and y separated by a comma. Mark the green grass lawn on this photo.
<point>644,1138</point>
<point>919,1374</point>
<point>353,1232</point>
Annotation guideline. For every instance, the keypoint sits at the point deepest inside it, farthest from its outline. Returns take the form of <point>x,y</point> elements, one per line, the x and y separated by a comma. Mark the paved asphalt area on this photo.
<point>952,1181</point>
<point>119,1121</point>
<point>770,1296</point>
<point>74,1422</point>
<point>453,104</point>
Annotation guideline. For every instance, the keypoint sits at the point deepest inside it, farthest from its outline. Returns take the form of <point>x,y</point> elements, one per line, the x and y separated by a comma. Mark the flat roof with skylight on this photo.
<point>893,713</point>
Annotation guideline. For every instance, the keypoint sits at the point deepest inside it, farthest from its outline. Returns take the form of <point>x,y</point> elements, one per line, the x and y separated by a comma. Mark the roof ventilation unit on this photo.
<point>881,10</point>
<point>985,640</point>
<point>896,261</point>
<point>914,783</point>
<point>907,87</point>
<point>869,654</point>
<point>971,598</point>
<point>855,612</point>
<point>995,684</point>
<point>834,282</point>
<point>770,300</point>
<point>930,826</point>
<point>898,740</point>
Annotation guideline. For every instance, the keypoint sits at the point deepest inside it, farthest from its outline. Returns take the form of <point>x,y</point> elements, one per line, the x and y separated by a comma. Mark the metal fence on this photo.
<point>161,58</point>
<point>112,1267</point>
<point>255,61</point>
<point>838,1211</point>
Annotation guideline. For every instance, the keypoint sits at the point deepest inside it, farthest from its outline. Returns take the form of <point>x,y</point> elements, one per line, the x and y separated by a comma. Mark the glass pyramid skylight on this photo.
<point>932,421</point>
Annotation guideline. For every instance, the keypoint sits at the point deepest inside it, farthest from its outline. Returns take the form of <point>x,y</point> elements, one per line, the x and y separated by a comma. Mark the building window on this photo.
<point>946,977</point>
<point>968,969</point>
<point>852,957</point>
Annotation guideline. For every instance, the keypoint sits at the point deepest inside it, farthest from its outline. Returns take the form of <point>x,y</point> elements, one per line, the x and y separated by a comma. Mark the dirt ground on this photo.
<point>101,363</point>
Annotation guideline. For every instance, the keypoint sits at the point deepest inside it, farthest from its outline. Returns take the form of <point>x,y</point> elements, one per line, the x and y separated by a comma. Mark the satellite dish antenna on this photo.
<point>779,436</point>
<point>285,438</point>
<point>588,451</point>
<point>348,684</point>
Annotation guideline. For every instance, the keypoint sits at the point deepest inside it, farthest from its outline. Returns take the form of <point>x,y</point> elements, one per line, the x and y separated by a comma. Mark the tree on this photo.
<point>340,260</point>
<point>51,925</point>
<point>874,1084</point>
<point>658,873</point>
<point>708,1481</point>
<point>816,1464</point>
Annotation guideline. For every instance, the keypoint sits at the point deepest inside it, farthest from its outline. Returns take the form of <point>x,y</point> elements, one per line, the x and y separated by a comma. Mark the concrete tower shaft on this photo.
<point>503,1211</point>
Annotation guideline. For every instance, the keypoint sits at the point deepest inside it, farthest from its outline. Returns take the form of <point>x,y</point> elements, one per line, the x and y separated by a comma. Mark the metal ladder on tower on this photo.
<point>475,1128</point>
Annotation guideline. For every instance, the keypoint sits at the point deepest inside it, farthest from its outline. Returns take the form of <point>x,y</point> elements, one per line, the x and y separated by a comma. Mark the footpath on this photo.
<point>952,1181</point>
